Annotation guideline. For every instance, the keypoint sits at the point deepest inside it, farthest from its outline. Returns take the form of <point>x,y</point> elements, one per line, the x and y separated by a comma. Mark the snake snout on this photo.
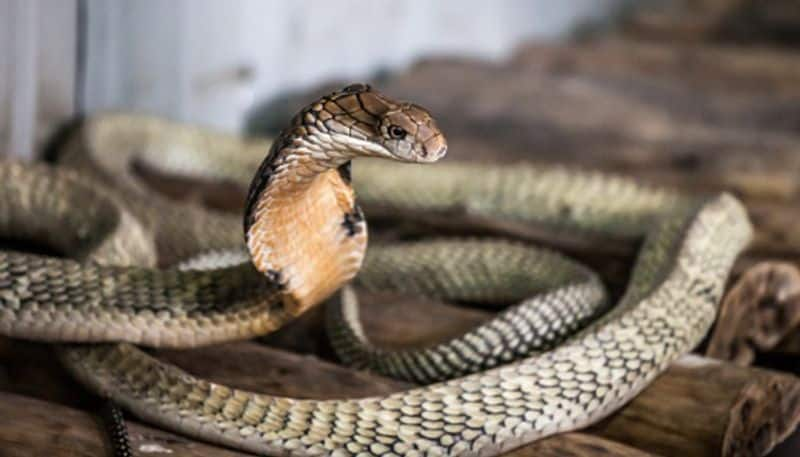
<point>434,148</point>
<point>431,144</point>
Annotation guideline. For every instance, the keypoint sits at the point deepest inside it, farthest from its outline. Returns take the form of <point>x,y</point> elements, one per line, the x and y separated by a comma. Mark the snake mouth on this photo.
<point>428,151</point>
<point>434,153</point>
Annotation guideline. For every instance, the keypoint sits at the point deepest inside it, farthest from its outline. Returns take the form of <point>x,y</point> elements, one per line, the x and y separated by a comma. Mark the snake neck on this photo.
<point>304,230</point>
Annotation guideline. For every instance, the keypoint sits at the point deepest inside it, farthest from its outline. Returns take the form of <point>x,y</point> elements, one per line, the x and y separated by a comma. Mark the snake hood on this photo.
<point>302,225</point>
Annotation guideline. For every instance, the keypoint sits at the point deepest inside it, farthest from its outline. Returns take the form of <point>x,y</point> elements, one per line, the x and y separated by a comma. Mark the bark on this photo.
<point>774,22</point>
<point>35,427</point>
<point>759,313</point>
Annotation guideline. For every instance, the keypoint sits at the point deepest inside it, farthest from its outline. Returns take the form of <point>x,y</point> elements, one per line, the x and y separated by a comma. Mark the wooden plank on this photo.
<point>761,313</point>
<point>775,22</point>
<point>703,407</point>
<point>34,427</point>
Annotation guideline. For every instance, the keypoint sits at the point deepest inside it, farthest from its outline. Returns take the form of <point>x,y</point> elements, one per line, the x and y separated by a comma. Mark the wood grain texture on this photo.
<point>577,445</point>
<point>31,427</point>
<point>702,407</point>
<point>758,314</point>
<point>775,22</point>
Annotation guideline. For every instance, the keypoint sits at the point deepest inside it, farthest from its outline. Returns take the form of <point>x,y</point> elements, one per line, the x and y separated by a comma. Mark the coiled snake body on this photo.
<point>307,236</point>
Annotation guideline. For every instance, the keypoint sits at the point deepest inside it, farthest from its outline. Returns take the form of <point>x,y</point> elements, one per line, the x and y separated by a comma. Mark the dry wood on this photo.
<point>696,408</point>
<point>702,407</point>
<point>31,427</point>
<point>577,445</point>
<point>737,21</point>
<point>697,111</point>
<point>759,312</point>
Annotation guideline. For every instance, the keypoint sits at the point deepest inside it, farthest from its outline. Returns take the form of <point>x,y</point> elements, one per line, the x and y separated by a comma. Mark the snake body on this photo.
<point>688,247</point>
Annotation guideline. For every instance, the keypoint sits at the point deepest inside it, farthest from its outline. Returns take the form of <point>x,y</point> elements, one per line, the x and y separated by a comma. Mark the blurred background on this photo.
<point>210,62</point>
<point>702,95</point>
<point>213,63</point>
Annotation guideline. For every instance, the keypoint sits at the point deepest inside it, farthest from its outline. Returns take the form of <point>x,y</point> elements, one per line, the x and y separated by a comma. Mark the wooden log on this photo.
<point>577,445</point>
<point>775,22</point>
<point>31,427</point>
<point>254,367</point>
<point>620,104</point>
<point>712,408</point>
<point>759,312</point>
<point>31,369</point>
<point>703,407</point>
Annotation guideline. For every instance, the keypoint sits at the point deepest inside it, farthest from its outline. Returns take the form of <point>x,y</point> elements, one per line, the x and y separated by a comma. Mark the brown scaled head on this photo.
<point>379,126</point>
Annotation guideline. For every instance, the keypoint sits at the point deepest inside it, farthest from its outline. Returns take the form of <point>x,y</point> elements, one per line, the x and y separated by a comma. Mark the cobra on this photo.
<point>306,237</point>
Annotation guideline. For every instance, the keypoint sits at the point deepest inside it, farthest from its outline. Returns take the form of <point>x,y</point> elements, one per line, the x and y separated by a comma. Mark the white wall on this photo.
<point>208,61</point>
<point>37,71</point>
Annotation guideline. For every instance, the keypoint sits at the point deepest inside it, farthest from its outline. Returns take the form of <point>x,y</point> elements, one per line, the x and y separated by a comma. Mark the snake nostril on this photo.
<point>434,148</point>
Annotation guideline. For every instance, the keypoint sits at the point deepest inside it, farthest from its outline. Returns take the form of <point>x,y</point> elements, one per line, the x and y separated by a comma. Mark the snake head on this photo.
<point>368,123</point>
<point>410,134</point>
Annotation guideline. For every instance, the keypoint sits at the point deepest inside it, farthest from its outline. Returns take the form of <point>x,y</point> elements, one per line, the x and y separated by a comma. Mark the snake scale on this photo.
<point>554,362</point>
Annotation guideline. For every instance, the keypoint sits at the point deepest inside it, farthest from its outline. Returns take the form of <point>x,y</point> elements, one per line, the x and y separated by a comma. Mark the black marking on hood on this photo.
<point>345,171</point>
<point>262,178</point>
<point>276,277</point>
<point>356,87</point>
<point>354,221</point>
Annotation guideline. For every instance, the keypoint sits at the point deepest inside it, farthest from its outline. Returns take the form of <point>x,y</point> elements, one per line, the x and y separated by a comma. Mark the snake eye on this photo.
<point>397,132</point>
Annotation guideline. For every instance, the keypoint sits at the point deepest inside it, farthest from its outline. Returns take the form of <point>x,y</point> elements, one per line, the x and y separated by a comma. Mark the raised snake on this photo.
<point>688,248</point>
